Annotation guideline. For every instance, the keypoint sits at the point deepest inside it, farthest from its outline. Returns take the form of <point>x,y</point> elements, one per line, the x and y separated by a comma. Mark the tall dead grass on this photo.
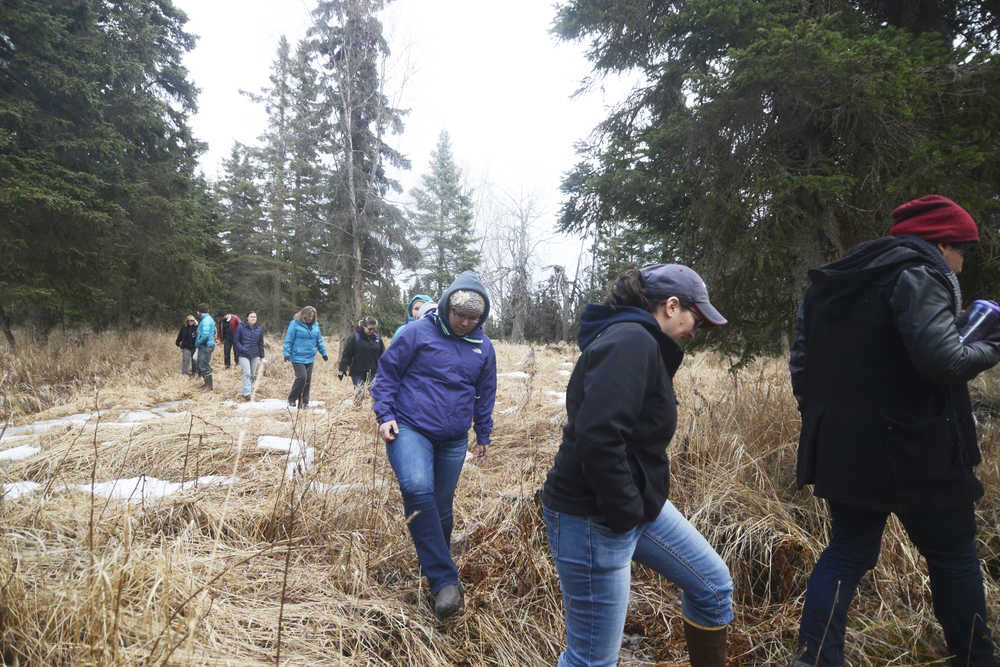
<point>320,569</point>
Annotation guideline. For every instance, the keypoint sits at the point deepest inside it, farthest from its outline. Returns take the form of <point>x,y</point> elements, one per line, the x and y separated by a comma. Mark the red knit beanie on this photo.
<point>936,219</point>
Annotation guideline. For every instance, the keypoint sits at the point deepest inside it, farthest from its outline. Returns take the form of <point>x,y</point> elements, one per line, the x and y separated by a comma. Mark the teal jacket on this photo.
<point>409,309</point>
<point>206,332</point>
<point>301,342</point>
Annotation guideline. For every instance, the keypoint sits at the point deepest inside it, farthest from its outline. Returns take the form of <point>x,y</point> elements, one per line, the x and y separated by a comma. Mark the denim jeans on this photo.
<point>205,359</point>
<point>187,361</point>
<point>428,472</point>
<point>945,538</point>
<point>300,388</point>
<point>595,572</point>
<point>249,366</point>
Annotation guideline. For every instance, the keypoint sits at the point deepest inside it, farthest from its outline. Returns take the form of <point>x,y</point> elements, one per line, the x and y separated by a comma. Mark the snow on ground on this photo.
<point>560,396</point>
<point>520,375</point>
<point>13,490</point>
<point>46,424</point>
<point>563,372</point>
<point>507,411</point>
<point>267,404</point>
<point>300,456</point>
<point>138,416</point>
<point>143,487</point>
<point>18,453</point>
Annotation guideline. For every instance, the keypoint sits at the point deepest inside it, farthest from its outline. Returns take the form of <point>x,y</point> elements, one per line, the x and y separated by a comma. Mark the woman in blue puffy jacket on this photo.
<point>302,339</point>
<point>249,343</point>
<point>437,378</point>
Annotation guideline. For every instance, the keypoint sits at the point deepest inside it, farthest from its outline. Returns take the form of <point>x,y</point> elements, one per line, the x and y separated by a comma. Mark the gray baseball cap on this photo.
<point>662,281</point>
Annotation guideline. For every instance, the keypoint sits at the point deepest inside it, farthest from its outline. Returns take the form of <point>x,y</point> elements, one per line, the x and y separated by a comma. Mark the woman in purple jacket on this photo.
<point>438,376</point>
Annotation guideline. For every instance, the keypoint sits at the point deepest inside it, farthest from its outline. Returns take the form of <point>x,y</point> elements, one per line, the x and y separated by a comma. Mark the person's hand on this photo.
<point>326,358</point>
<point>287,359</point>
<point>340,376</point>
<point>388,430</point>
<point>483,452</point>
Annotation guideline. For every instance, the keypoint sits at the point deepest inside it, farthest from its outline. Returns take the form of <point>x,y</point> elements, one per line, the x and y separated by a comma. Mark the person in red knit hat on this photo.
<point>880,377</point>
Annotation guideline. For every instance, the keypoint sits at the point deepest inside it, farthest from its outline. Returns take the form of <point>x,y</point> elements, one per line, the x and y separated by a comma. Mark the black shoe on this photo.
<point>448,601</point>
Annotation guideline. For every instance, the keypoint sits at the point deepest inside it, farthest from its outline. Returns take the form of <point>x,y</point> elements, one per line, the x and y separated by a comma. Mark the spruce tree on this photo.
<point>442,221</point>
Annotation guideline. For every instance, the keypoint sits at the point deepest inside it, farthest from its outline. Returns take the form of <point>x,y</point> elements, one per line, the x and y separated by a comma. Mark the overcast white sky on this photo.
<point>488,72</point>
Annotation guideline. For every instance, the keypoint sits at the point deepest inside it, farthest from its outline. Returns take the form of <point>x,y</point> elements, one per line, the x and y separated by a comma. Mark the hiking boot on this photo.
<point>447,601</point>
<point>208,384</point>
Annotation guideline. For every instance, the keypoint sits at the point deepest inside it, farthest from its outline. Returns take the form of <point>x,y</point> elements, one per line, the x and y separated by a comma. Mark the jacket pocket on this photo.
<point>923,452</point>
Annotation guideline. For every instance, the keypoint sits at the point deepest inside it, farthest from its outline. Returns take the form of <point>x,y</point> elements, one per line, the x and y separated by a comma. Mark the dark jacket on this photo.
<point>622,412</point>
<point>880,377</point>
<point>186,336</point>
<point>361,353</point>
<point>249,340</point>
<point>437,382</point>
<point>227,330</point>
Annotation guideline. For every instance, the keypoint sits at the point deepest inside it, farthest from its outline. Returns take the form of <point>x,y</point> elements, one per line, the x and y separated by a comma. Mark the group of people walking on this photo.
<point>880,375</point>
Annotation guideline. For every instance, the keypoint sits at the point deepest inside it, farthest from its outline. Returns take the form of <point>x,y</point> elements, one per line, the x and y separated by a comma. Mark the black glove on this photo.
<point>326,358</point>
<point>340,376</point>
<point>287,359</point>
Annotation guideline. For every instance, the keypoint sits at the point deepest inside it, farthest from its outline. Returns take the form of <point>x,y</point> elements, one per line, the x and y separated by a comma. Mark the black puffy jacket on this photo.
<point>622,412</point>
<point>880,377</point>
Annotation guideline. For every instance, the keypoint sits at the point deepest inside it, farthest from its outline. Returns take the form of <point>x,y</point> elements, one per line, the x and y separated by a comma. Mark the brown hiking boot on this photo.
<point>208,384</point>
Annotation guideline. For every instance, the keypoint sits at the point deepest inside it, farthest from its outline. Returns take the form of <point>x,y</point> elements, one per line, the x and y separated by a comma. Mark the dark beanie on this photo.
<point>936,219</point>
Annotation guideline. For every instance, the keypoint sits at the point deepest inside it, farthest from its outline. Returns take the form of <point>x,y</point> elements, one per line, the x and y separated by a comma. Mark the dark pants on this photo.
<point>227,348</point>
<point>300,388</point>
<point>945,538</point>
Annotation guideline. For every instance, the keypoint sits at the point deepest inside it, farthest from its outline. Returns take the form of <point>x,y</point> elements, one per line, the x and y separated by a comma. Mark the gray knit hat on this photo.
<point>467,300</point>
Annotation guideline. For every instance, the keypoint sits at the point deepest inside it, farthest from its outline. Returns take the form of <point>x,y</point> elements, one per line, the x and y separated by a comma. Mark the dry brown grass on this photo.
<point>283,569</point>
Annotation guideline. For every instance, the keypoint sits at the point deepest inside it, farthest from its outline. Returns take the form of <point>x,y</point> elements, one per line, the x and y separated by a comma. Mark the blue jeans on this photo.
<point>249,367</point>
<point>428,472</point>
<point>595,572</point>
<point>945,538</point>
<point>205,359</point>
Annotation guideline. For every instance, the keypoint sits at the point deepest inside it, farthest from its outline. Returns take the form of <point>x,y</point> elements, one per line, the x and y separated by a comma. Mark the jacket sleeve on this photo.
<point>922,308</point>
<point>180,337</point>
<point>486,395</point>
<point>797,359</point>
<point>289,339</point>
<point>347,355</point>
<point>203,336</point>
<point>239,339</point>
<point>615,382</point>
<point>319,341</point>
<point>392,367</point>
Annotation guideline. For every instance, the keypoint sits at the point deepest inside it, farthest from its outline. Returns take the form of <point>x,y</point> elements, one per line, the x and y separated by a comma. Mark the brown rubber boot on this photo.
<point>706,648</point>
<point>208,384</point>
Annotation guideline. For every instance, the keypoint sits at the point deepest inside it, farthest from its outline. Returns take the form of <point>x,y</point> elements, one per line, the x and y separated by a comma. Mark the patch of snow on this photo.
<point>12,490</point>
<point>520,375</point>
<point>138,416</point>
<point>166,405</point>
<point>507,411</point>
<point>568,364</point>
<point>14,438</point>
<point>271,404</point>
<point>238,420</point>
<point>300,457</point>
<point>322,487</point>
<point>18,453</point>
<point>45,425</point>
<point>562,372</point>
<point>143,487</point>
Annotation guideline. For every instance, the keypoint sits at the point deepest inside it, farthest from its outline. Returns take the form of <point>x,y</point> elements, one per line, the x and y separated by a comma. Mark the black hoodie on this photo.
<point>622,413</point>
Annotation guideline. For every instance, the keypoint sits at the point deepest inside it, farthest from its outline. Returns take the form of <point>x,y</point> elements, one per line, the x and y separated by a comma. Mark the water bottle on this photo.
<point>978,321</point>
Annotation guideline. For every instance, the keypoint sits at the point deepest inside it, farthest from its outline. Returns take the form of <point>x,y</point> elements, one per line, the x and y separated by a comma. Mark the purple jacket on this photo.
<point>436,382</point>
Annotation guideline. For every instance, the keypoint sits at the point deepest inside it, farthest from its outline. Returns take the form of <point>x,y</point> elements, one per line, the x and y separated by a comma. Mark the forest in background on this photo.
<point>766,138</point>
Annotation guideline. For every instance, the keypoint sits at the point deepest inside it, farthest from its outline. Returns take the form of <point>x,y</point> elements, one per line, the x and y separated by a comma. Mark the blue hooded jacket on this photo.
<point>409,311</point>
<point>436,382</point>
<point>206,332</point>
<point>302,340</point>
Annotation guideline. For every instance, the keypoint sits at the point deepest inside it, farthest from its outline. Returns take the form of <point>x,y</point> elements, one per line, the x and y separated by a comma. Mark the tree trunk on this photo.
<point>5,325</point>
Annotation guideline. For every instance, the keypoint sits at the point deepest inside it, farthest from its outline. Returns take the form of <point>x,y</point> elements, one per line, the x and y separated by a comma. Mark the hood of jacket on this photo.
<point>886,252</point>
<point>466,280</point>
<point>409,307</point>
<point>598,317</point>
